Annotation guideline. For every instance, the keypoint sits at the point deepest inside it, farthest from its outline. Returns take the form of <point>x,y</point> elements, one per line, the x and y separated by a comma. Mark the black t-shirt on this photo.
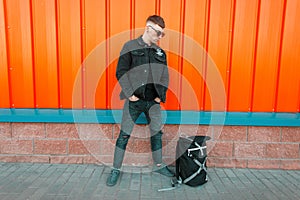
<point>150,92</point>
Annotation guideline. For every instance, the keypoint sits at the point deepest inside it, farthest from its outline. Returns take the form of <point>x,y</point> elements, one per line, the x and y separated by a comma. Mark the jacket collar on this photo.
<point>143,44</point>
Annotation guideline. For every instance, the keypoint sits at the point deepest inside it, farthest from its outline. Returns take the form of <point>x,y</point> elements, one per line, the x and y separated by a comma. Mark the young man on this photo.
<point>143,75</point>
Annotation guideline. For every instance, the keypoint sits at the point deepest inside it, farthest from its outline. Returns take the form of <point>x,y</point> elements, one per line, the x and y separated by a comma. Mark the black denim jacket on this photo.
<point>136,61</point>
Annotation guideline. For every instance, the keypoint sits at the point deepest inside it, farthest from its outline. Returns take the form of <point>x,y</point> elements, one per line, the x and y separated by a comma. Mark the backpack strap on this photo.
<point>201,148</point>
<point>201,167</point>
<point>176,183</point>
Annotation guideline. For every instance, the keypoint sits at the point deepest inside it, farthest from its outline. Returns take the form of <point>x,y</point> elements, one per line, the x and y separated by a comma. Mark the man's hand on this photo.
<point>133,98</point>
<point>157,100</point>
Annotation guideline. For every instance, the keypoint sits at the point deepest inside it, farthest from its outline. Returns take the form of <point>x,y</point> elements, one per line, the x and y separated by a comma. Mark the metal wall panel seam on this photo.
<point>157,7</point>
<point>205,60</point>
<point>181,45</point>
<point>230,50</point>
<point>33,54</point>
<point>254,57</point>
<point>107,46</point>
<point>279,56</point>
<point>57,53</point>
<point>132,19</point>
<point>83,50</point>
<point>6,25</point>
<point>4,98</point>
<point>298,110</point>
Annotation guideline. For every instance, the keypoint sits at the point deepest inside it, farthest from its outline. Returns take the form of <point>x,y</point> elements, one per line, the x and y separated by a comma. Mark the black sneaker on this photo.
<point>164,170</point>
<point>113,177</point>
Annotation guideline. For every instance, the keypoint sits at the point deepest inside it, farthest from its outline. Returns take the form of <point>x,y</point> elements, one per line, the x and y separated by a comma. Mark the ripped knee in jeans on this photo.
<point>122,140</point>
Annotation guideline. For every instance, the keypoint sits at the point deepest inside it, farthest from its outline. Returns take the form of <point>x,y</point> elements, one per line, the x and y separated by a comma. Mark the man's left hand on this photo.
<point>157,100</point>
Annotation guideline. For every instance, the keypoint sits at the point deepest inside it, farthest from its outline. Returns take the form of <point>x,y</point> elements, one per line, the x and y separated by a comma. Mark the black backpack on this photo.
<point>191,156</point>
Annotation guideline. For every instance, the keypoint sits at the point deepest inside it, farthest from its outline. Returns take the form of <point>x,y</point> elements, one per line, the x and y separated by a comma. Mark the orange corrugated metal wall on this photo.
<point>48,46</point>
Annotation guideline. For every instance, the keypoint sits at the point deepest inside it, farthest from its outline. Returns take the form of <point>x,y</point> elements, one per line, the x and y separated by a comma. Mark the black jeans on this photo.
<point>131,112</point>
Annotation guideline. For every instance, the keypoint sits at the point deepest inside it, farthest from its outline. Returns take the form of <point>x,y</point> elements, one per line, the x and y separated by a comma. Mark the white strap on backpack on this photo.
<point>201,167</point>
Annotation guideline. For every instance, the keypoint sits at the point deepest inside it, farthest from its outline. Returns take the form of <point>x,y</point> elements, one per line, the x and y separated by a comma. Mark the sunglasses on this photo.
<point>158,33</point>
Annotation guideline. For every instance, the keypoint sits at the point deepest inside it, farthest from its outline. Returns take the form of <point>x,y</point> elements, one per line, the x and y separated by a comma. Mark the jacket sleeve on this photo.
<point>165,82</point>
<point>122,74</point>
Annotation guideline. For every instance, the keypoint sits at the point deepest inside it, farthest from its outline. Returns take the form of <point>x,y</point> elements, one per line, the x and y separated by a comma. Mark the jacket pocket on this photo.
<point>138,58</point>
<point>137,53</point>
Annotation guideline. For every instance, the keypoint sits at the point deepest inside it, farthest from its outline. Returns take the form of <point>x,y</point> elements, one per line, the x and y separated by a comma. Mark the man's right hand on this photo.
<point>133,98</point>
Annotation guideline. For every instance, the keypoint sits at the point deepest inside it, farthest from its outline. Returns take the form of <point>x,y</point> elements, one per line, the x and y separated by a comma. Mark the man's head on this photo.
<point>155,19</point>
<point>154,28</point>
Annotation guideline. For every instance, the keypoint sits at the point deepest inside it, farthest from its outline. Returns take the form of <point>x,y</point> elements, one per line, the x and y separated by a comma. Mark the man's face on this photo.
<point>155,32</point>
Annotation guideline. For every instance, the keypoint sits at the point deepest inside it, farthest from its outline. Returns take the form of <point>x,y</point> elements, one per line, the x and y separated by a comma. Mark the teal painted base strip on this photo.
<point>169,117</point>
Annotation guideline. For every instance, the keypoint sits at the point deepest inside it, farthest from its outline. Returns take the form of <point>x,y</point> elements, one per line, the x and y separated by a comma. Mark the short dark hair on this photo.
<point>156,20</point>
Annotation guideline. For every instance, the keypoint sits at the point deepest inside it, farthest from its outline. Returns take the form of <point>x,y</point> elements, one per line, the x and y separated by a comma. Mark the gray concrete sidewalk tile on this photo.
<point>34,181</point>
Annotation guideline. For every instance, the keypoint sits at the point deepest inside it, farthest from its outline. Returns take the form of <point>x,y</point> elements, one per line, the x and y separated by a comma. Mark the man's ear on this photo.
<point>147,29</point>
